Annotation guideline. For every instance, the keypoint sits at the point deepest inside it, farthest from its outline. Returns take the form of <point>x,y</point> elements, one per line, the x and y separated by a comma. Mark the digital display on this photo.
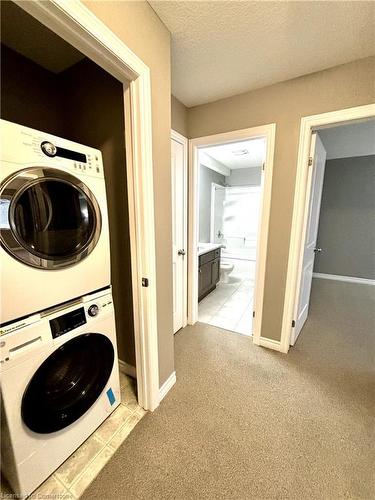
<point>71,155</point>
<point>67,322</point>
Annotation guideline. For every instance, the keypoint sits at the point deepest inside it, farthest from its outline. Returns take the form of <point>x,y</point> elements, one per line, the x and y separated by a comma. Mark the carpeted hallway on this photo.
<point>244,422</point>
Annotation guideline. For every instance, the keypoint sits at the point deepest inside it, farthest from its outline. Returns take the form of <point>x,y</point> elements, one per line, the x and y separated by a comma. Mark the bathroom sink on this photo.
<point>207,247</point>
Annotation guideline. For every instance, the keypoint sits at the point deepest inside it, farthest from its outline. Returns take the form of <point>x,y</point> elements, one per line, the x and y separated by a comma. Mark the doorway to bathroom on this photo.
<point>234,216</point>
<point>229,205</point>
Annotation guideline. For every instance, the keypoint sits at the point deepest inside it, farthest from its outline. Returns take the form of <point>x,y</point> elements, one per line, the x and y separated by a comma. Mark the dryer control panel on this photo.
<point>24,145</point>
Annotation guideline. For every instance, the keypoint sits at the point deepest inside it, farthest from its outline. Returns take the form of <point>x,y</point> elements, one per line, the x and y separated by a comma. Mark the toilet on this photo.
<point>225,269</point>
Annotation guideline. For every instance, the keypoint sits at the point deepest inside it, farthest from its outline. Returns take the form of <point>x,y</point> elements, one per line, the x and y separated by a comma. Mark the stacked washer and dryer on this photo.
<point>58,353</point>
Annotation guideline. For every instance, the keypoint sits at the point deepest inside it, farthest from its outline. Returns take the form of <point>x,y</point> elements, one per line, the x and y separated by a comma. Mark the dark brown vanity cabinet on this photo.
<point>208,273</point>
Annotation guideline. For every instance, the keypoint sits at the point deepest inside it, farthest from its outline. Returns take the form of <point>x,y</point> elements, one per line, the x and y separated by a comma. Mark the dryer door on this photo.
<point>49,218</point>
<point>68,383</point>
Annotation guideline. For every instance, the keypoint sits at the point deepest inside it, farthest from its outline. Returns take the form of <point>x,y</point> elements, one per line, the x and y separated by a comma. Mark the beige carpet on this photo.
<point>244,422</point>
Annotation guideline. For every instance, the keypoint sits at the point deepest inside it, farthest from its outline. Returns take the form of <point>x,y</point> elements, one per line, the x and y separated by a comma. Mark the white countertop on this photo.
<point>207,247</point>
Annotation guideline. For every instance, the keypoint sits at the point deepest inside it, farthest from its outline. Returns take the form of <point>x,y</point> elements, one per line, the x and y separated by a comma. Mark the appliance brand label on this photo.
<point>111,396</point>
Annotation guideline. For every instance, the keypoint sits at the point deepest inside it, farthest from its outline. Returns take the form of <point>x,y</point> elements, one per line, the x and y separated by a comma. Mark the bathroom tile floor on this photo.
<point>80,469</point>
<point>230,305</point>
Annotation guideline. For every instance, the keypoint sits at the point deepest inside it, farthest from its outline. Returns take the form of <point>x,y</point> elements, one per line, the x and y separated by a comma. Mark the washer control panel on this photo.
<point>67,322</point>
<point>93,310</point>
<point>21,338</point>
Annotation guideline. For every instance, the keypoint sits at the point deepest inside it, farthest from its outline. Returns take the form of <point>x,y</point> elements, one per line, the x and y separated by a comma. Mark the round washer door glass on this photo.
<point>68,383</point>
<point>50,219</point>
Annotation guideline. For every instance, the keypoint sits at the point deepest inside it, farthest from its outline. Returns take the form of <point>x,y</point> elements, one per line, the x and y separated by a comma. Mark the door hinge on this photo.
<point>310,161</point>
<point>263,165</point>
<point>145,282</point>
<point>293,324</point>
<point>253,314</point>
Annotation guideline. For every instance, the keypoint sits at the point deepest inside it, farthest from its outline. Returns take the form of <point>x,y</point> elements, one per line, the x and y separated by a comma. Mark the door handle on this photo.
<point>317,250</point>
<point>181,252</point>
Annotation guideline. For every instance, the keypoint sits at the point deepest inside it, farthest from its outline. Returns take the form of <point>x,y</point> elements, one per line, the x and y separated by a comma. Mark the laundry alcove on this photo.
<point>48,85</point>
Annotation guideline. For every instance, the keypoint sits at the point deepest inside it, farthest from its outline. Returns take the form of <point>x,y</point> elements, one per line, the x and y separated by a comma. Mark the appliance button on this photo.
<point>93,310</point>
<point>48,148</point>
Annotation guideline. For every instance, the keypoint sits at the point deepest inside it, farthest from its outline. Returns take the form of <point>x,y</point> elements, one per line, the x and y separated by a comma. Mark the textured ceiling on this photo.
<point>223,48</point>
<point>27,36</point>
<point>225,153</point>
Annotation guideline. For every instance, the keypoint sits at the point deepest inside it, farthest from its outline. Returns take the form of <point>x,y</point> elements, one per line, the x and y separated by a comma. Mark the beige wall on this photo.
<point>179,116</point>
<point>285,103</point>
<point>140,28</point>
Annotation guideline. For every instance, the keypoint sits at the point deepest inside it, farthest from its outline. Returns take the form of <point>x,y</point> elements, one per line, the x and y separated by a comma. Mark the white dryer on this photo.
<point>53,221</point>
<point>59,382</point>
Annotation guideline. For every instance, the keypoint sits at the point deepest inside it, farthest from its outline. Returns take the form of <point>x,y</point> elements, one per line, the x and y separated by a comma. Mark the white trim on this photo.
<point>185,143</point>
<point>179,138</point>
<point>348,279</point>
<point>301,203</point>
<point>76,24</point>
<point>167,386</point>
<point>270,344</point>
<point>127,369</point>
<point>268,132</point>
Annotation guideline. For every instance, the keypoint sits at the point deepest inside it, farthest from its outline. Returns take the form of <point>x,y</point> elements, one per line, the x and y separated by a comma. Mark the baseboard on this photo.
<point>127,369</point>
<point>167,386</point>
<point>270,344</point>
<point>348,279</point>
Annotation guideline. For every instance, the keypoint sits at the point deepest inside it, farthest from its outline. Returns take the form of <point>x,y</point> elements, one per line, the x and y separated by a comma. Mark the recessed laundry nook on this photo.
<point>69,388</point>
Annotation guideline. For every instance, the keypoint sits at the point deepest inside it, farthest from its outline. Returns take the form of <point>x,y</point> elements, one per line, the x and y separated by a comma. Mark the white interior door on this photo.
<point>318,157</point>
<point>179,230</point>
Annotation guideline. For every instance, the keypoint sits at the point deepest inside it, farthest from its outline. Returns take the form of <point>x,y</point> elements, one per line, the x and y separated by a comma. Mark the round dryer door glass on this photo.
<point>50,218</point>
<point>68,383</point>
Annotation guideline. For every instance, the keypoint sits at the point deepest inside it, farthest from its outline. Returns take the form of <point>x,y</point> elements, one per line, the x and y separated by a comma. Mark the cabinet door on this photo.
<point>215,271</point>
<point>205,278</point>
<point>206,257</point>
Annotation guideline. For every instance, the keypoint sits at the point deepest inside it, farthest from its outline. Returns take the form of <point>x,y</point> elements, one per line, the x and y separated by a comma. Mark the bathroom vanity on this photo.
<point>208,268</point>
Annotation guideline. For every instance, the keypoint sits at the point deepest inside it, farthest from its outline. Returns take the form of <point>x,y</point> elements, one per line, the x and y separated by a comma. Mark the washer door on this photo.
<point>68,383</point>
<point>49,218</point>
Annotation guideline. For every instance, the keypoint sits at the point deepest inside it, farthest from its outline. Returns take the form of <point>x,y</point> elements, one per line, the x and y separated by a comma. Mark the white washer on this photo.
<point>53,221</point>
<point>59,382</point>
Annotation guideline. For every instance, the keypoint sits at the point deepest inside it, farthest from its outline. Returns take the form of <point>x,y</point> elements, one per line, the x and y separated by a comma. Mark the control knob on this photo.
<point>48,148</point>
<point>93,310</point>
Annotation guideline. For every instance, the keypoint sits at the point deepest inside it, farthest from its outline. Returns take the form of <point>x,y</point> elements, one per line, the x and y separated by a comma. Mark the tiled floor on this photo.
<point>80,469</point>
<point>230,305</point>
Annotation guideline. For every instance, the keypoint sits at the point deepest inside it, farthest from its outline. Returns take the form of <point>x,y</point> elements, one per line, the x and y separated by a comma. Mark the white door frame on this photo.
<point>184,141</point>
<point>76,24</point>
<point>301,206</point>
<point>268,132</point>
